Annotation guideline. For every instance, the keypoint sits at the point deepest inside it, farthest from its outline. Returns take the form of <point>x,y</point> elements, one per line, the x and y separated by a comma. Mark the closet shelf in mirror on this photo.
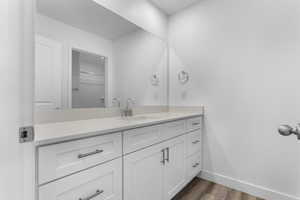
<point>90,73</point>
<point>92,81</point>
<point>87,77</point>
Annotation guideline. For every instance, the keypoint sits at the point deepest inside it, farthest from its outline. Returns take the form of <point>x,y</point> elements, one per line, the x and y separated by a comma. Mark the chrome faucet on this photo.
<point>127,112</point>
<point>117,102</point>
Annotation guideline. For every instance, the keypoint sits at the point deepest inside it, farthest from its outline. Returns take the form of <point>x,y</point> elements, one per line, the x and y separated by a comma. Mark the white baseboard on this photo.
<point>243,186</point>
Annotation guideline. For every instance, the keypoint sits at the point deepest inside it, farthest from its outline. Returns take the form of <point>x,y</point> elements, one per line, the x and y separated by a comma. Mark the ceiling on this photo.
<point>172,6</point>
<point>86,15</point>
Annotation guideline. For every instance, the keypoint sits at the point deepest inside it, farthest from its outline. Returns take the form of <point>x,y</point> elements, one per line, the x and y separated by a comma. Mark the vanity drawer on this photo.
<point>58,160</point>
<point>194,142</point>
<point>194,166</point>
<point>103,182</point>
<point>173,129</point>
<point>194,123</point>
<point>141,137</point>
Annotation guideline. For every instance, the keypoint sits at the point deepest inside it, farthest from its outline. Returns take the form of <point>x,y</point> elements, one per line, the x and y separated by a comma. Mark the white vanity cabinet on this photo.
<point>153,162</point>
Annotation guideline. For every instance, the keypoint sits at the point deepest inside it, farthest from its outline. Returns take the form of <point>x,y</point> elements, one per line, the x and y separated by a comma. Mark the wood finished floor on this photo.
<point>200,189</point>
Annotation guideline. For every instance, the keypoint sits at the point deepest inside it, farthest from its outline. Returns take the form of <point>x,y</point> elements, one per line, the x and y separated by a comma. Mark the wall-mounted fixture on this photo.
<point>183,77</point>
<point>154,79</point>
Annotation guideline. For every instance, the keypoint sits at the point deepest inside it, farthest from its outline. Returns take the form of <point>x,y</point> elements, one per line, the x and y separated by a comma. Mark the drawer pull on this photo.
<point>89,154</point>
<point>98,192</point>
<point>196,165</point>
<point>168,155</point>
<point>164,157</point>
<point>196,142</point>
<point>196,123</point>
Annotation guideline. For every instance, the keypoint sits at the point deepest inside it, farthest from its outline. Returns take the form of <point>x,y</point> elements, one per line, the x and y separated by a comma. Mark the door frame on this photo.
<point>71,48</point>
<point>28,11</point>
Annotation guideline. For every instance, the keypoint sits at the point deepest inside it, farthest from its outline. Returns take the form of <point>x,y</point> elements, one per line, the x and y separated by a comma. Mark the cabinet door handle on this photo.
<point>98,192</point>
<point>89,154</point>
<point>196,123</point>
<point>168,154</point>
<point>196,141</point>
<point>164,157</point>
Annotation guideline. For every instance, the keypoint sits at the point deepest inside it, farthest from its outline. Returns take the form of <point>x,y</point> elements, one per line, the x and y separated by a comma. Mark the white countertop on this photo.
<point>64,131</point>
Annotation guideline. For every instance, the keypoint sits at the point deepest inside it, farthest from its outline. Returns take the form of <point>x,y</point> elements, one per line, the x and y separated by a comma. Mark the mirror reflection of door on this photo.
<point>88,80</point>
<point>48,72</point>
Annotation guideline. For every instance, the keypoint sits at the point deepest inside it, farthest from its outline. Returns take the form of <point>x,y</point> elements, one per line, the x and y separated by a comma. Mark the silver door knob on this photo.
<point>286,130</point>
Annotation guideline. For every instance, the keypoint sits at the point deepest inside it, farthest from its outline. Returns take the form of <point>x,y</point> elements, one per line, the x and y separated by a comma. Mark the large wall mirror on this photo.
<point>89,57</point>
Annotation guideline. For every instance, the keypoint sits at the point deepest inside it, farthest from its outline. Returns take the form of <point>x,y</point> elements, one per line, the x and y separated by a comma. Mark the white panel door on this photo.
<point>143,174</point>
<point>48,73</point>
<point>174,171</point>
<point>16,80</point>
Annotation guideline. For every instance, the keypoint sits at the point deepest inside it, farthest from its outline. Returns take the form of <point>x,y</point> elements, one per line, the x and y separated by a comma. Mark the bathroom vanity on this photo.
<point>99,62</point>
<point>152,156</point>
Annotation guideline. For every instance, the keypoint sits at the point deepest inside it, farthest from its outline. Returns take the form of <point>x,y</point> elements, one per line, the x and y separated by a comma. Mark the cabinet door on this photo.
<point>174,171</point>
<point>143,174</point>
<point>48,70</point>
<point>103,182</point>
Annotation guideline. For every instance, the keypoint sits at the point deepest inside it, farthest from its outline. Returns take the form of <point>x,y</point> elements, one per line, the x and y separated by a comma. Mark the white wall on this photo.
<point>79,39</point>
<point>140,12</point>
<point>243,58</point>
<point>136,57</point>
